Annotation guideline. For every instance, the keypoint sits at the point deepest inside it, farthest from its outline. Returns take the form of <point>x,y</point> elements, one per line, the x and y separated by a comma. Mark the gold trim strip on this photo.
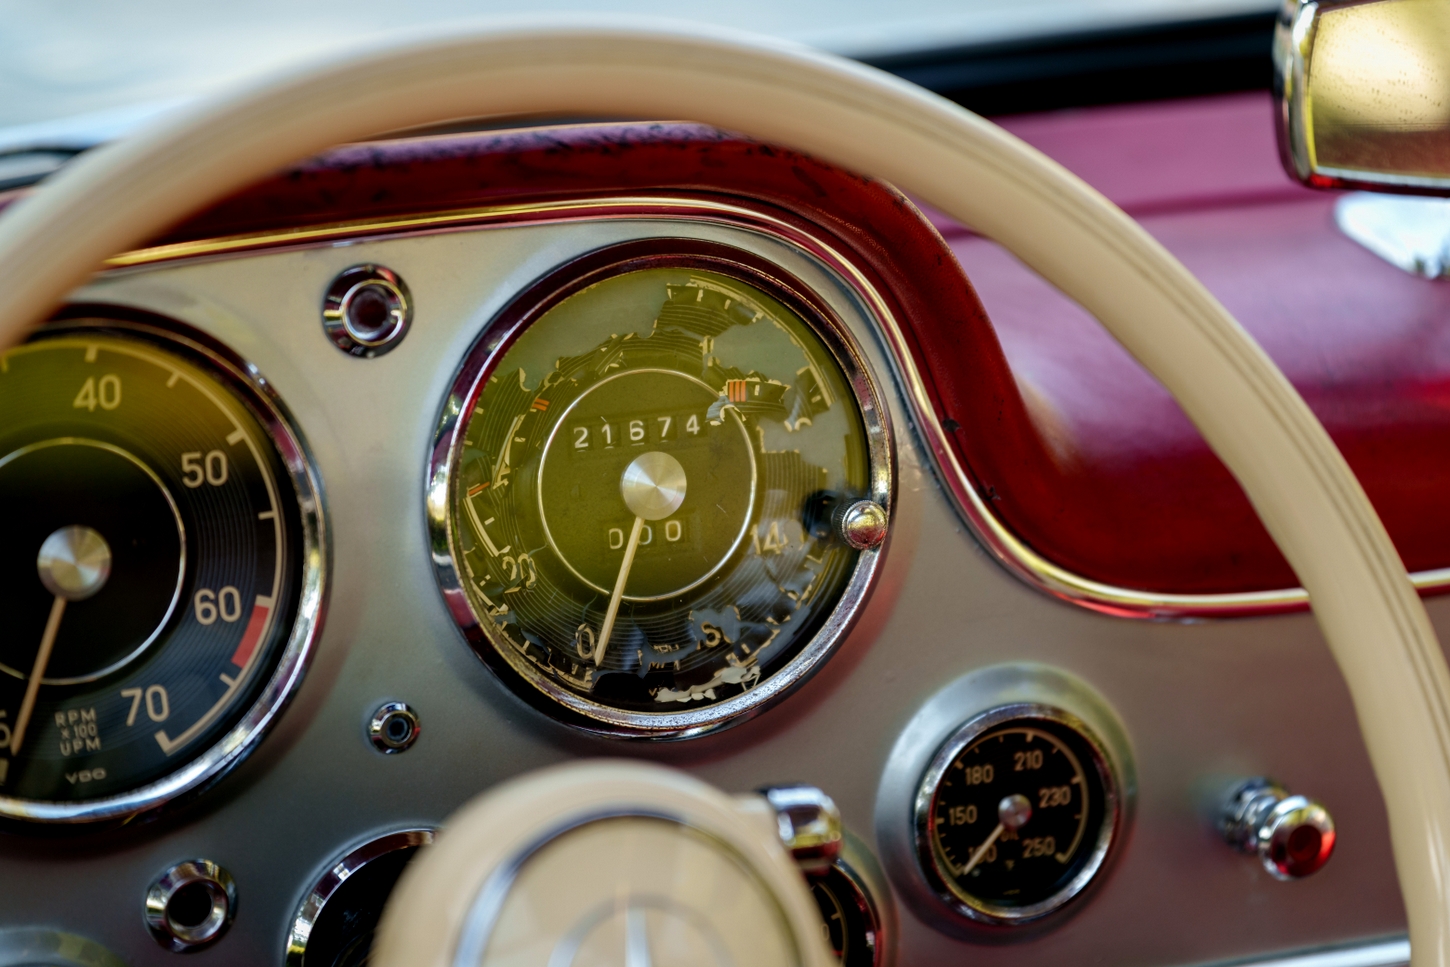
<point>1004,546</point>
<point>399,225</point>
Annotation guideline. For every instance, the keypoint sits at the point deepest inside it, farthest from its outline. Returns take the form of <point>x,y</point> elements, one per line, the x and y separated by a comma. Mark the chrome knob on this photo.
<point>862,524</point>
<point>810,825</point>
<point>1293,836</point>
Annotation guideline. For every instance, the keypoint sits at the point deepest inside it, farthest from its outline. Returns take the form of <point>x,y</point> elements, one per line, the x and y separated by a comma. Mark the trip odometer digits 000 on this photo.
<point>659,491</point>
<point>161,563</point>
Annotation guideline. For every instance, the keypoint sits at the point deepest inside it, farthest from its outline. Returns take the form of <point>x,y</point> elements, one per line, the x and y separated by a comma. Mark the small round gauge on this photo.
<point>160,567</point>
<point>1016,814</point>
<point>640,485</point>
<point>850,921</point>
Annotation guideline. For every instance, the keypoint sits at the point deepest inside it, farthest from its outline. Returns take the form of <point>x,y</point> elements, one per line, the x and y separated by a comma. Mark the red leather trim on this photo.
<point>1104,475</point>
<point>966,373</point>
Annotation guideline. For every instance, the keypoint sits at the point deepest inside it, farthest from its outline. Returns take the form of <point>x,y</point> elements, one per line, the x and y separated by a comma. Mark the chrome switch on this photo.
<point>1292,835</point>
<point>810,825</point>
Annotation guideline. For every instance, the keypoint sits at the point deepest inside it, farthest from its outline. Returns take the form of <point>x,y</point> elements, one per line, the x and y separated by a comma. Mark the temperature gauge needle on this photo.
<point>74,563</point>
<point>1012,812</point>
<point>981,851</point>
<point>653,488</point>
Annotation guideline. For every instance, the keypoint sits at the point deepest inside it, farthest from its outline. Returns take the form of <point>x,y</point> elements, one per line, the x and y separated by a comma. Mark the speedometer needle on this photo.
<point>653,488</point>
<point>74,563</point>
<point>606,629</point>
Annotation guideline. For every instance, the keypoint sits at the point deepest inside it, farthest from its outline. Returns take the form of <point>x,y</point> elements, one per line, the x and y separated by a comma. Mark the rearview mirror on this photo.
<point>1364,93</point>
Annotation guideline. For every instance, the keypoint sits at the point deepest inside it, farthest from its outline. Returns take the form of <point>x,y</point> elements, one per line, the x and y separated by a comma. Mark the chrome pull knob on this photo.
<point>1293,836</point>
<point>809,824</point>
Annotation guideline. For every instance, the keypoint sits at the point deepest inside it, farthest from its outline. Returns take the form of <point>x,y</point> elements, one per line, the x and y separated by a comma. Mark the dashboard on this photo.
<point>433,462</point>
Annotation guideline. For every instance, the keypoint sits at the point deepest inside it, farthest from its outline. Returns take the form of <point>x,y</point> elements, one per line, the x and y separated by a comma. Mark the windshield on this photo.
<point>112,63</point>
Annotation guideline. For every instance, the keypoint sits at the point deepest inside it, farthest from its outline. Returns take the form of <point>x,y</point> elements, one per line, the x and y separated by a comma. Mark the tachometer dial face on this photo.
<point>640,492</point>
<point>151,567</point>
<point>1016,814</point>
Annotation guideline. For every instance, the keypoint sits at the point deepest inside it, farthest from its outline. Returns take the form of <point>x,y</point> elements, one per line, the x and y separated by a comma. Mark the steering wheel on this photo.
<point>859,118</point>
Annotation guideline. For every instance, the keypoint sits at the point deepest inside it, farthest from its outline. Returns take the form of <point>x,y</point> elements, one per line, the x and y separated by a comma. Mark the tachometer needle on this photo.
<point>74,563</point>
<point>37,672</point>
<point>982,850</point>
<point>606,629</point>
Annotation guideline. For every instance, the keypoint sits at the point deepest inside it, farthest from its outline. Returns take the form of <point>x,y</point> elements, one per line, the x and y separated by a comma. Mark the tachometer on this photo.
<point>660,490</point>
<point>161,567</point>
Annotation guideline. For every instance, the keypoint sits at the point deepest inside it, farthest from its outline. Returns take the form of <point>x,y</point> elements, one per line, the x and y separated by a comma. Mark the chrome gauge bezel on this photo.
<point>244,381</point>
<point>309,910</point>
<point>959,901</point>
<point>488,350</point>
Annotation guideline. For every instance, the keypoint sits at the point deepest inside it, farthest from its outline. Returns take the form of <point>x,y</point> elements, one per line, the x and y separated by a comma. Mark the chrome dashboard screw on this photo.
<point>394,728</point>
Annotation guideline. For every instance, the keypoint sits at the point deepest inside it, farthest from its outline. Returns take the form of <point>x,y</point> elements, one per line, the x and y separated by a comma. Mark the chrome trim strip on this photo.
<point>1373,953</point>
<point>1009,551</point>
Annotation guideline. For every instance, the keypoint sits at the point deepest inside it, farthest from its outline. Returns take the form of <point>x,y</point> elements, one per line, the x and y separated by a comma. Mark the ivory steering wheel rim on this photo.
<point>116,197</point>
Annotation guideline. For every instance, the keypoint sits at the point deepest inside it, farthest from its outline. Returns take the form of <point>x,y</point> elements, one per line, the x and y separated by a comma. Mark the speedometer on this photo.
<point>660,489</point>
<point>161,561</point>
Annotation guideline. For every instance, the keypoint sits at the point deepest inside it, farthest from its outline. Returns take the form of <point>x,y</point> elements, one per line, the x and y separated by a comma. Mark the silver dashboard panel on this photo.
<point>1202,703</point>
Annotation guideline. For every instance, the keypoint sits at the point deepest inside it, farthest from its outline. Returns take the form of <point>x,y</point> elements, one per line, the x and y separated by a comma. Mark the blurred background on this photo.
<point>107,64</point>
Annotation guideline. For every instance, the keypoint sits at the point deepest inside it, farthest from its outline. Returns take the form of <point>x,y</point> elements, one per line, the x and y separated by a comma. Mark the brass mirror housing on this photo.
<point>1363,91</point>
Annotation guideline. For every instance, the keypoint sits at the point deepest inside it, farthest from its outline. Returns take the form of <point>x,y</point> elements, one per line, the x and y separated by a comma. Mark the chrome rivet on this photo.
<point>862,524</point>
<point>191,905</point>
<point>809,824</point>
<point>394,728</point>
<point>1293,836</point>
<point>367,310</point>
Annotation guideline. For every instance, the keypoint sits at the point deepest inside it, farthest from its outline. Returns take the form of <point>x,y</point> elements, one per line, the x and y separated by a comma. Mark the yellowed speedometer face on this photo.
<point>642,493</point>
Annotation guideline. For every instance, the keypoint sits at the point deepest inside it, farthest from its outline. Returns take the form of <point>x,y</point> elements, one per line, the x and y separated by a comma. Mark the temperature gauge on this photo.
<point>1016,814</point>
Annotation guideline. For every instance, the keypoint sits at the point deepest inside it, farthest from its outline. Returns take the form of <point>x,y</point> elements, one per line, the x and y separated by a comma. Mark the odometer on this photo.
<point>1016,814</point>
<point>159,568</point>
<point>642,486</point>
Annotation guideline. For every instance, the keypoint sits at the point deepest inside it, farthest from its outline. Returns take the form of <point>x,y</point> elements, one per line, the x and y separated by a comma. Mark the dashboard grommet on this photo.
<point>191,905</point>
<point>367,310</point>
<point>394,727</point>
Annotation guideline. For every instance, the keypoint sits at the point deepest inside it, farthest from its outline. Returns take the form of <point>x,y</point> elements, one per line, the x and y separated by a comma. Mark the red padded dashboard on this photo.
<point>1069,442</point>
